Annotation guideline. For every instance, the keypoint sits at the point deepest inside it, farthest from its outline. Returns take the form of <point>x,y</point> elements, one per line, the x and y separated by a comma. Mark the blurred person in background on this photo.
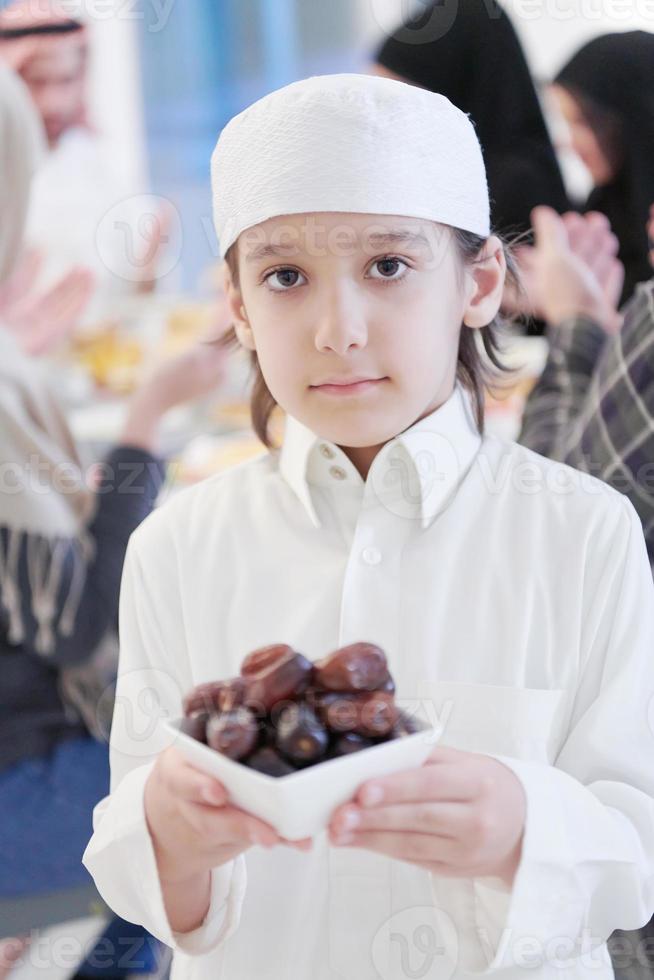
<point>62,542</point>
<point>468,51</point>
<point>606,95</point>
<point>77,184</point>
<point>593,407</point>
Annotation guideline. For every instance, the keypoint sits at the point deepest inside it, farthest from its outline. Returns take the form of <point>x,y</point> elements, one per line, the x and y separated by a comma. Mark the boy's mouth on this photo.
<point>347,386</point>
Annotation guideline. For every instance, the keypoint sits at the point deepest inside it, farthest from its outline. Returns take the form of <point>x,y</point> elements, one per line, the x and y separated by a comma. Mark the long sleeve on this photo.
<point>587,865</point>
<point>593,407</point>
<point>56,606</point>
<point>556,401</point>
<point>130,481</point>
<point>153,674</point>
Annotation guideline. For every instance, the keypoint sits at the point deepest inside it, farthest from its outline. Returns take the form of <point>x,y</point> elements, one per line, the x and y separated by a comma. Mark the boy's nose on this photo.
<point>341,325</point>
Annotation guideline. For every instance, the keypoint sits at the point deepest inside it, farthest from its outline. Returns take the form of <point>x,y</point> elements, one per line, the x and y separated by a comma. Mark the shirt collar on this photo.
<point>414,475</point>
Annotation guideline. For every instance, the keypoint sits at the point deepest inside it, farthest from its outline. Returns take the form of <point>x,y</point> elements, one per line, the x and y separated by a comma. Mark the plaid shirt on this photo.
<point>593,406</point>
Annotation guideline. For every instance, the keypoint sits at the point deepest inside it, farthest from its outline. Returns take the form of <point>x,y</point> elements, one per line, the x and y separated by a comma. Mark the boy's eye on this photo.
<point>389,268</point>
<point>282,280</point>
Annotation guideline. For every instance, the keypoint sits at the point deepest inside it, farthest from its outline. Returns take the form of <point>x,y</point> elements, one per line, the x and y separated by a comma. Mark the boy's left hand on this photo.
<point>461,815</point>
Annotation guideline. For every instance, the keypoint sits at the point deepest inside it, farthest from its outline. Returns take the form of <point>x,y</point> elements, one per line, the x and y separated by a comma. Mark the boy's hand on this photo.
<point>194,830</point>
<point>461,815</point>
<point>191,823</point>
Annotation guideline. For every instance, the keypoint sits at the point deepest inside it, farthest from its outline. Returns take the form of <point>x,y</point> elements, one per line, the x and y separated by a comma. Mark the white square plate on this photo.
<point>302,803</point>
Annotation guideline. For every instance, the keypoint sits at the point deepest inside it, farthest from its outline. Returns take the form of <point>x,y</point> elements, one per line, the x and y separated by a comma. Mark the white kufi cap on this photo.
<point>349,143</point>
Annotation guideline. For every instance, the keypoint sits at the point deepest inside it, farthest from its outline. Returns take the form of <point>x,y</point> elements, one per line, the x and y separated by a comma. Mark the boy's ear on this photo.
<point>240,320</point>
<point>487,274</point>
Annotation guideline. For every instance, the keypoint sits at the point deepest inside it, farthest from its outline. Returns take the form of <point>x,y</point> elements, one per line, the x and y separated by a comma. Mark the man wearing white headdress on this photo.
<point>77,185</point>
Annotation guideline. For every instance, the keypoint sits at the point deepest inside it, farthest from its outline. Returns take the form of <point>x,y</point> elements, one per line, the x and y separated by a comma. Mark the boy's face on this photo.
<point>356,318</point>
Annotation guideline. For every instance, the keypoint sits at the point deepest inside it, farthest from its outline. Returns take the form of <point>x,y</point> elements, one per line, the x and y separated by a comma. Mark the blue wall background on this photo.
<point>212,59</point>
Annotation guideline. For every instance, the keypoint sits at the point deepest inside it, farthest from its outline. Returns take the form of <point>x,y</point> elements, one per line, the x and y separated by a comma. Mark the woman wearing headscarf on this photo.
<point>606,94</point>
<point>468,51</point>
<point>62,545</point>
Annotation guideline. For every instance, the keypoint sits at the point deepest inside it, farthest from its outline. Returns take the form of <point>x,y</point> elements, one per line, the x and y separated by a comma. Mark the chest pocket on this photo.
<point>527,723</point>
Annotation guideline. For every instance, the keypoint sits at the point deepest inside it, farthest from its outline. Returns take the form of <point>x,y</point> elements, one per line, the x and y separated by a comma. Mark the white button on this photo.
<point>326,451</point>
<point>371,556</point>
<point>337,472</point>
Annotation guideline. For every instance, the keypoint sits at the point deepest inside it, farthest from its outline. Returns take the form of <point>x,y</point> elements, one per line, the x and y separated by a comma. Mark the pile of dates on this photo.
<point>284,713</point>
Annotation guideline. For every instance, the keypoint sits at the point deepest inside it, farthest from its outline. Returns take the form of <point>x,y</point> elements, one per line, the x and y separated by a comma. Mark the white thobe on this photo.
<point>514,599</point>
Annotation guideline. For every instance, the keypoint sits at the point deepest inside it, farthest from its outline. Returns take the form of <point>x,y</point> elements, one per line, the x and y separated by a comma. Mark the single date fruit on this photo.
<point>358,667</point>
<point>234,733</point>
<point>264,657</point>
<point>348,743</point>
<point>215,696</point>
<point>196,725</point>
<point>372,713</point>
<point>281,681</point>
<point>377,714</point>
<point>269,762</point>
<point>301,738</point>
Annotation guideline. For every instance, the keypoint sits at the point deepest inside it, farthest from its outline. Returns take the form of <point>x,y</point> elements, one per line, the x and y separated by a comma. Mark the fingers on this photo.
<point>446,783</point>
<point>525,257</point>
<point>575,227</point>
<point>229,826</point>
<point>211,362</point>
<point>599,242</point>
<point>29,267</point>
<point>207,808</point>
<point>11,951</point>
<point>70,293</point>
<point>415,848</point>
<point>612,277</point>
<point>188,783</point>
<point>590,235</point>
<point>613,282</point>
<point>63,303</point>
<point>445,753</point>
<point>549,229</point>
<point>58,311</point>
<point>443,819</point>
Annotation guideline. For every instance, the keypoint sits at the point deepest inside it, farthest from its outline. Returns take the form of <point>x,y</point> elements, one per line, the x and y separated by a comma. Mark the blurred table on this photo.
<point>526,356</point>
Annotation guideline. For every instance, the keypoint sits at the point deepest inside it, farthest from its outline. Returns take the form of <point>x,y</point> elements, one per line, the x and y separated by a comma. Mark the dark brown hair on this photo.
<point>474,374</point>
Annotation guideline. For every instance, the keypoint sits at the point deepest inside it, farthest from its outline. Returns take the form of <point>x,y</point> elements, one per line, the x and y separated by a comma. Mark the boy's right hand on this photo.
<point>191,823</point>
